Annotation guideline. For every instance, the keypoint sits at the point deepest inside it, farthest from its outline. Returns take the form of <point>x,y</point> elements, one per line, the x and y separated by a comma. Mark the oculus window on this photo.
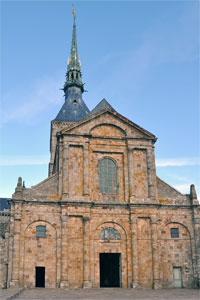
<point>41,231</point>
<point>109,233</point>
<point>174,233</point>
<point>107,176</point>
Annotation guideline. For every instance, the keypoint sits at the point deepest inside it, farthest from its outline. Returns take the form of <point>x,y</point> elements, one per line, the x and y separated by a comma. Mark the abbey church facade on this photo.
<point>102,218</point>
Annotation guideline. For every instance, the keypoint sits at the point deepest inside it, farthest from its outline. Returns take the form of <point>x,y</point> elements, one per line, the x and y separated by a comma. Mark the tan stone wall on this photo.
<point>80,156</point>
<point>70,252</point>
<point>176,253</point>
<point>74,211</point>
<point>41,252</point>
<point>75,252</point>
<point>75,170</point>
<point>140,173</point>
<point>144,248</point>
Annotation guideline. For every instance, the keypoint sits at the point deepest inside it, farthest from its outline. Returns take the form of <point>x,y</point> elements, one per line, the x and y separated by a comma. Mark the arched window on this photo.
<point>107,176</point>
<point>109,233</point>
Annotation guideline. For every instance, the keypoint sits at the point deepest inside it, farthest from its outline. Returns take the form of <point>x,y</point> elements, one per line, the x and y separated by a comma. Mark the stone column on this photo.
<point>155,255</point>
<point>134,250</point>
<point>64,257</point>
<point>86,253</point>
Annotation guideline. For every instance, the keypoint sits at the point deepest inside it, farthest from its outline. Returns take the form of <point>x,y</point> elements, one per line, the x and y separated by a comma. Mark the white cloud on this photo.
<point>24,160</point>
<point>46,92</point>
<point>178,162</point>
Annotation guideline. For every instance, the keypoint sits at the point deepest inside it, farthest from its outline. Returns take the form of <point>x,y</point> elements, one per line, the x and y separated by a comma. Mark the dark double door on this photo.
<point>110,269</point>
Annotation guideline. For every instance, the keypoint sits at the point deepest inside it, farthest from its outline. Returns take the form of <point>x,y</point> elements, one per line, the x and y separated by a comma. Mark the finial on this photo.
<point>73,11</point>
<point>19,182</point>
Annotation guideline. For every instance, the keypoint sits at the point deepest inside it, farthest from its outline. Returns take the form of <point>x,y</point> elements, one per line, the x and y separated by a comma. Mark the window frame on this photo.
<point>174,232</point>
<point>101,185</point>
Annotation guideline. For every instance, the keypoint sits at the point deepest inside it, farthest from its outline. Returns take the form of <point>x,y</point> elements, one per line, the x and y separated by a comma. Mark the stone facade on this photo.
<point>68,203</point>
<point>102,218</point>
<point>4,239</point>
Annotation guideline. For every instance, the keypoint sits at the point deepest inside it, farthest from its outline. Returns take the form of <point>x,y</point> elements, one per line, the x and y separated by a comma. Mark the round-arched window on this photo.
<point>107,176</point>
<point>110,233</point>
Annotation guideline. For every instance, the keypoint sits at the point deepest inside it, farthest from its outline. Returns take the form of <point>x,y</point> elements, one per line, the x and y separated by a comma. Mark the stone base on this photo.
<point>14,284</point>
<point>64,284</point>
<point>87,284</point>
<point>157,285</point>
<point>135,285</point>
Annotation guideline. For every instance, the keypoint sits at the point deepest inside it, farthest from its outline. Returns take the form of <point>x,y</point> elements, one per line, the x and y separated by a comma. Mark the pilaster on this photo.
<point>86,169</point>
<point>155,255</point>
<point>86,253</point>
<point>65,169</point>
<point>64,252</point>
<point>151,173</point>
<point>16,246</point>
<point>60,181</point>
<point>134,251</point>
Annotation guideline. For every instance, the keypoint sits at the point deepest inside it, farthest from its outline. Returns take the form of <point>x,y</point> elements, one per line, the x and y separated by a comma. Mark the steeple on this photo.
<point>74,109</point>
<point>73,76</point>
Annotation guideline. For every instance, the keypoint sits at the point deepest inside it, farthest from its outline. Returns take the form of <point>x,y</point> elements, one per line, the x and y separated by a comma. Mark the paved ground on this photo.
<point>106,294</point>
<point>9,293</point>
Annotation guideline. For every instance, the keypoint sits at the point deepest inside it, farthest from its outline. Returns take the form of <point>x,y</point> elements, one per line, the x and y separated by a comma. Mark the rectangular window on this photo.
<point>174,233</point>
<point>41,231</point>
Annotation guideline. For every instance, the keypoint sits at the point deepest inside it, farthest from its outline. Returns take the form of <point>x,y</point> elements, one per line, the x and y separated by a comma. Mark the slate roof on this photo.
<point>4,204</point>
<point>73,111</point>
<point>103,104</point>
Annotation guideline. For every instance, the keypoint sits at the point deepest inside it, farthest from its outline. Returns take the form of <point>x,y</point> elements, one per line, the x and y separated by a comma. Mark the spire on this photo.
<point>73,76</point>
<point>74,109</point>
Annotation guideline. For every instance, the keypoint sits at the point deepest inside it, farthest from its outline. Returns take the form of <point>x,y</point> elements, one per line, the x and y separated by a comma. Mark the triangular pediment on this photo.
<point>102,105</point>
<point>105,119</point>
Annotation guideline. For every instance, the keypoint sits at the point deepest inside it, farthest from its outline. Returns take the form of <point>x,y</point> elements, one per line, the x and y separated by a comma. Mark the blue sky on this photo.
<point>142,56</point>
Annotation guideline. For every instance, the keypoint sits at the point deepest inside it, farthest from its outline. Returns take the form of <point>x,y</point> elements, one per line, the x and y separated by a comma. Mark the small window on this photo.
<point>174,233</point>
<point>107,176</point>
<point>109,233</point>
<point>41,231</point>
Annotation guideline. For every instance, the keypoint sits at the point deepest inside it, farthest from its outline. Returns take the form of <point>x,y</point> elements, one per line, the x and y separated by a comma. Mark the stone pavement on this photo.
<point>106,294</point>
<point>7,294</point>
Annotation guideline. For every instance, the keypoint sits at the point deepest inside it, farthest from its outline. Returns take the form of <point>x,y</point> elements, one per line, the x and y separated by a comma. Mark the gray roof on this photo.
<point>4,204</point>
<point>74,109</point>
<point>103,104</point>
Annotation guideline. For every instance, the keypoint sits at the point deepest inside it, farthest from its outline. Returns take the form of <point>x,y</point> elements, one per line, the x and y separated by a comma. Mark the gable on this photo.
<point>107,130</point>
<point>109,124</point>
<point>45,190</point>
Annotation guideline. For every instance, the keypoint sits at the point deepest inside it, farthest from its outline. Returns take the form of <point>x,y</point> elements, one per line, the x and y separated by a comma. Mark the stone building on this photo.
<point>102,218</point>
<point>4,239</point>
